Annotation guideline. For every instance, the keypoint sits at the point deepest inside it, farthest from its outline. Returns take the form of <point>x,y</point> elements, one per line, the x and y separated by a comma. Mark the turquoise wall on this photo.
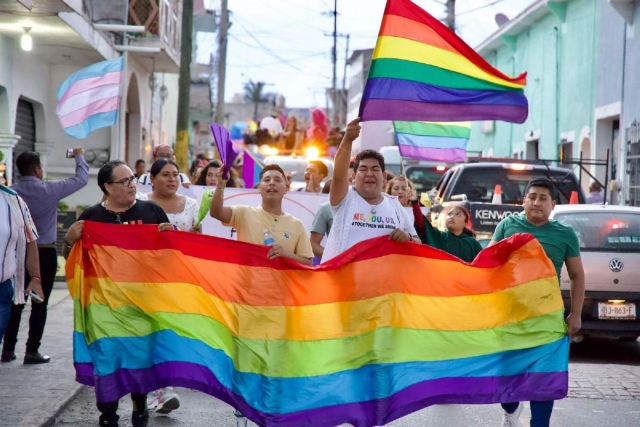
<point>560,59</point>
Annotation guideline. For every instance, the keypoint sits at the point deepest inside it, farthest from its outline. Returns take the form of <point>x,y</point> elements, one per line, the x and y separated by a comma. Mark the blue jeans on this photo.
<point>540,412</point>
<point>6,300</point>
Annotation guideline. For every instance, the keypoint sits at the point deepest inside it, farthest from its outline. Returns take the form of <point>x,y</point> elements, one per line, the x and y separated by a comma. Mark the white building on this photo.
<point>374,134</point>
<point>64,41</point>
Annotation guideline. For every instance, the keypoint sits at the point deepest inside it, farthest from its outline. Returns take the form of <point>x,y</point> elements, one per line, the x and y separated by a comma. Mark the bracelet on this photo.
<point>38,278</point>
<point>67,244</point>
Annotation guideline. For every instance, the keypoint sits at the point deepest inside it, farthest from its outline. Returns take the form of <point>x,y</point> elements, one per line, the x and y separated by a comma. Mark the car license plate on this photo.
<point>616,311</point>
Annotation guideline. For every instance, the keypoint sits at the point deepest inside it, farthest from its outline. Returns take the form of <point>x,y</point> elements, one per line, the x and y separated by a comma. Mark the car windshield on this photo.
<point>604,231</point>
<point>424,177</point>
<point>479,184</point>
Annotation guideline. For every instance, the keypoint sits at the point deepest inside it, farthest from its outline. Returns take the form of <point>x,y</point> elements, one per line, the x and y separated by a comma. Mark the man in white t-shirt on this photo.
<point>363,211</point>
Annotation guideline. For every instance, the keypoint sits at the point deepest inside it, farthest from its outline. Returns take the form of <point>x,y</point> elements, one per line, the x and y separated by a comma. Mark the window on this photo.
<point>479,184</point>
<point>532,150</point>
<point>604,231</point>
<point>424,177</point>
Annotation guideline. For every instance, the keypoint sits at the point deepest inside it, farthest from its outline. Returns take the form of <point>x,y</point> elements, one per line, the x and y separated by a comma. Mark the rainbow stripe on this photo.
<point>90,98</point>
<point>288,344</point>
<point>438,141</point>
<point>422,71</point>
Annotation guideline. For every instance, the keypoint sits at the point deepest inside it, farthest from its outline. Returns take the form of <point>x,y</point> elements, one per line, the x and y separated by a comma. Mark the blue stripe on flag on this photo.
<point>354,385</point>
<point>422,141</point>
<point>96,121</point>
<point>95,70</point>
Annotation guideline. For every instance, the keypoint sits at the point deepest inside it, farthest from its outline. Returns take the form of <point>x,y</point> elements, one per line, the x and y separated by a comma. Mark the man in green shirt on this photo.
<point>560,243</point>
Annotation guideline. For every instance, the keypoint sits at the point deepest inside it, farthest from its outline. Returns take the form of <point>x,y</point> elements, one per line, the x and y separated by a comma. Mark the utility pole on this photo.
<point>451,15</point>
<point>184,86</point>
<point>334,58</point>
<point>344,97</point>
<point>222,61</point>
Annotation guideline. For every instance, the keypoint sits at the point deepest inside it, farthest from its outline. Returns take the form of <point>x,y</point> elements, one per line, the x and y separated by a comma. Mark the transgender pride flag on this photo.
<point>90,98</point>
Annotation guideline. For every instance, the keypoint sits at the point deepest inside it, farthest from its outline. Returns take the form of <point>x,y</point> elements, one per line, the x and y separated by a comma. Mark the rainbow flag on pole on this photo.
<point>437,141</point>
<point>90,98</point>
<point>422,71</point>
<point>357,340</point>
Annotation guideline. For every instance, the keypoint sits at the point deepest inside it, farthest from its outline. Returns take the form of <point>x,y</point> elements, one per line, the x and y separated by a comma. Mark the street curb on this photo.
<point>57,411</point>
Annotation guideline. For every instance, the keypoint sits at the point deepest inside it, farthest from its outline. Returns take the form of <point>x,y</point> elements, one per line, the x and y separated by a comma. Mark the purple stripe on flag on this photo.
<point>465,390</point>
<point>450,155</point>
<point>91,83</point>
<point>248,170</point>
<point>412,111</point>
<point>407,90</point>
<point>100,106</point>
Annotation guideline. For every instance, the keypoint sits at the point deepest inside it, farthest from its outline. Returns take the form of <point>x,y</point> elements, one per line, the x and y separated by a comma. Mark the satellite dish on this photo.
<point>501,19</point>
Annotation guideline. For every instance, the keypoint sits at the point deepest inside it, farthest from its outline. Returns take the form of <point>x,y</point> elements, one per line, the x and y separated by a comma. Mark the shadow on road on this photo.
<point>605,350</point>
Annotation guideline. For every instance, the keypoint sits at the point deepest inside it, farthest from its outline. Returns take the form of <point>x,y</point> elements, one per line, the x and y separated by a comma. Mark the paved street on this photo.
<point>604,389</point>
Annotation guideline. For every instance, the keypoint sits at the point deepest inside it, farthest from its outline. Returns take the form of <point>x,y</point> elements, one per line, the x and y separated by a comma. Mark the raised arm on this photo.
<point>218,210</point>
<point>66,187</point>
<point>340,181</point>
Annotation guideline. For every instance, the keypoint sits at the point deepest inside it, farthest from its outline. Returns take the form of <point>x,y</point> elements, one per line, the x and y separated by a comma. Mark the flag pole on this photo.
<point>122,108</point>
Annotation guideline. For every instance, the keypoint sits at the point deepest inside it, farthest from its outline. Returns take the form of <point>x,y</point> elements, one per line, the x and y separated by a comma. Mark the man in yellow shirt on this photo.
<point>266,224</point>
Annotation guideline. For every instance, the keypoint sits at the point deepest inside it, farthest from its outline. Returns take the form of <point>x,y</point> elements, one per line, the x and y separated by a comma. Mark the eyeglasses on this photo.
<point>167,156</point>
<point>128,182</point>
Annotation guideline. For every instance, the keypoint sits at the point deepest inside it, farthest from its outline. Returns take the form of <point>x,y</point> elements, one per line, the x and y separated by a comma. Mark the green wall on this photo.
<point>547,49</point>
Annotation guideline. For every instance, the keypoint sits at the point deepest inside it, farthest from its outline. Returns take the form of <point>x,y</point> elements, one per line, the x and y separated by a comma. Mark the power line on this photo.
<point>299,21</point>
<point>480,7</point>
<point>264,64</point>
<point>284,61</point>
<point>237,38</point>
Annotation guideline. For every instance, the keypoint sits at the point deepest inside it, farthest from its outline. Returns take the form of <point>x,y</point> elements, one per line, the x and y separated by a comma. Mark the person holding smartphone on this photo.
<point>42,198</point>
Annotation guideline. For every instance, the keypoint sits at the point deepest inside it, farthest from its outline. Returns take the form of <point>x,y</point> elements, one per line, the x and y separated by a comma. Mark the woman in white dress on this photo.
<point>181,210</point>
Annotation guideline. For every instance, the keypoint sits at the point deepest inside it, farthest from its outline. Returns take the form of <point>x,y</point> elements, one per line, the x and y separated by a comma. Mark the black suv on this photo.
<point>473,185</point>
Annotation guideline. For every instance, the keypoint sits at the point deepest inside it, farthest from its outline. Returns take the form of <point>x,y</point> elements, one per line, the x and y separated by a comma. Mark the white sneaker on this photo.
<point>513,420</point>
<point>163,401</point>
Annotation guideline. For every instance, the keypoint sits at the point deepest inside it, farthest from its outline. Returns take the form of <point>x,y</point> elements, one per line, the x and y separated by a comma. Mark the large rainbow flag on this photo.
<point>363,339</point>
<point>438,141</point>
<point>422,71</point>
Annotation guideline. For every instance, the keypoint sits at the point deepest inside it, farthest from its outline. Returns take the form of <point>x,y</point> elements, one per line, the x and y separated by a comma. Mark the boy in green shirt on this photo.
<point>560,243</point>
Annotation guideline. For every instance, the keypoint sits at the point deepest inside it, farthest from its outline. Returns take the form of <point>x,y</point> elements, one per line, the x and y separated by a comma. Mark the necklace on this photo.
<point>373,207</point>
<point>275,220</point>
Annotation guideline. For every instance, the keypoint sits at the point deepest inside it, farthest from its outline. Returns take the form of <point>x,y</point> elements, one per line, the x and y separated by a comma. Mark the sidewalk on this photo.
<point>32,395</point>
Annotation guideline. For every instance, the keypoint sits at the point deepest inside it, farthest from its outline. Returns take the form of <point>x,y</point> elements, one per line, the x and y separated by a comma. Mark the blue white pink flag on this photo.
<point>90,98</point>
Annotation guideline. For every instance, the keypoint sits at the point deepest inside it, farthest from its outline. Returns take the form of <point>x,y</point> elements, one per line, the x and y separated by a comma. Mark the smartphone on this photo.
<point>35,296</point>
<point>70,153</point>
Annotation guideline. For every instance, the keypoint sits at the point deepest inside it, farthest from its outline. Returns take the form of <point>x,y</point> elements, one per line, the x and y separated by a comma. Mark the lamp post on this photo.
<point>153,85</point>
<point>164,93</point>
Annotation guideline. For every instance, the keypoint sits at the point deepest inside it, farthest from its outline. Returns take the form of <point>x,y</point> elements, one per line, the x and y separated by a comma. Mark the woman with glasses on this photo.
<point>164,151</point>
<point>120,206</point>
<point>181,210</point>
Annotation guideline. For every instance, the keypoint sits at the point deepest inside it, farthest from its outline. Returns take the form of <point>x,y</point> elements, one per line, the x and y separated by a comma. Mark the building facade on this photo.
<point>64,40</point>
<point>581,57</point>
<point>617,105</point>
<point>555,42</point>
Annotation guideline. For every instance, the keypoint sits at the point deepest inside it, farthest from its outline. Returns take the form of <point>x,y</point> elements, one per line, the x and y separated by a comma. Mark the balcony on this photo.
<point>162,20</point>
